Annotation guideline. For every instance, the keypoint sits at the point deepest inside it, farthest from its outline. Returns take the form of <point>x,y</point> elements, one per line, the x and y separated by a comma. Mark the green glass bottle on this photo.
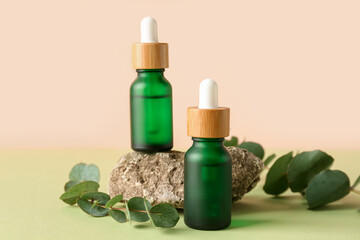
<point>207,175</point>
<point>151,112</point>
<point>207,185</point>
<point>150,93</point>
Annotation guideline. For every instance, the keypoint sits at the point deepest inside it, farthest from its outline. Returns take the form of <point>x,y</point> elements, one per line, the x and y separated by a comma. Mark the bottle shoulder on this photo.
<point>208,155</point>
<point>151,86</point>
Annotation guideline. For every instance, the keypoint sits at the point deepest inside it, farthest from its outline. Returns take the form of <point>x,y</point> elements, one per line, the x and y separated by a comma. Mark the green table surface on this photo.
<point>32,181</point>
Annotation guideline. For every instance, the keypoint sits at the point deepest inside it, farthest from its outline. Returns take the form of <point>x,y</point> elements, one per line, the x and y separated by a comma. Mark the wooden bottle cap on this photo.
<point>150,55</point>
<point>208,123</point>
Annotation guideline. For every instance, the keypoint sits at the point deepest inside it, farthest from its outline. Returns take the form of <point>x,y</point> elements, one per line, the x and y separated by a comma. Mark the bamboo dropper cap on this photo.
<point>208,120</point>
<point>149,53</point>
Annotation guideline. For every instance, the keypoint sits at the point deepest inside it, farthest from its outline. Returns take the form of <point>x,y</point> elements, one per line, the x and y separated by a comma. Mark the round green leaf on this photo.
<point>254,148</point>
<point>135,205</point>
<point>82,172</point>
<point>164,215</point>
<point>76,173</point>
<point>305,166</point>
<point>232,142</point>
<point>269,159</point>
<point>326,187</point>
<point>88,207</point>
<point>118,215</point>
<point>276,179</point>
<point>100,197</point>
<point>73,193</point>
<point>69,184</point>
<point>113,201</point>
<point>91,173</point>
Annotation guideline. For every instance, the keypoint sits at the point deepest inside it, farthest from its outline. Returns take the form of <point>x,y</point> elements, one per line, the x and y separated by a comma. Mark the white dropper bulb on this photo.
<point>208,94</point>
<point>149,33</point>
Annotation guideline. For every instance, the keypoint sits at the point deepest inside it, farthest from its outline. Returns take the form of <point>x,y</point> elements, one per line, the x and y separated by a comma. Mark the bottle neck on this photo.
<point>208,142</point>
<point>150,72</point>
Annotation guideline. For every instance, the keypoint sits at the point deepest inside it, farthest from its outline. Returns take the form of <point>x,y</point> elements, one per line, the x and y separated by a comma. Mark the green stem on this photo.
<point>124,209</point>
<point>354,190</point>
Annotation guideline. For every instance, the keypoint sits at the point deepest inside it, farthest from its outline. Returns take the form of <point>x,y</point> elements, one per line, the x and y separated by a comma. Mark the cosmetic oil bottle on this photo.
<point>150,93</point>
<point>207,184</point>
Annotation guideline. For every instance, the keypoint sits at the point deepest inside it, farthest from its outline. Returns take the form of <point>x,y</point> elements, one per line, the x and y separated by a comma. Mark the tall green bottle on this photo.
<point>208,182</point>
<point>150,93</point>
<point>151,112</point>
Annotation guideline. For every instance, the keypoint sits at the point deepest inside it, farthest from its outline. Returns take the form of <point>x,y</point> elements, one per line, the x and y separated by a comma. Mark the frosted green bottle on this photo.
<point>151,112</point>
<point>207,185</point>
<point>207,176</point>
<point>150,93</point>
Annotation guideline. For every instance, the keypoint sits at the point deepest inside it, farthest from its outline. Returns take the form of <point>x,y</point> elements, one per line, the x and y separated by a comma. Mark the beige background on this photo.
<point>289,70</point>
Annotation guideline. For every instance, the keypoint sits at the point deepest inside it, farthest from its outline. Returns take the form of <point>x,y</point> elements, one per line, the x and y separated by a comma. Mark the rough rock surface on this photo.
<point>160,176</point>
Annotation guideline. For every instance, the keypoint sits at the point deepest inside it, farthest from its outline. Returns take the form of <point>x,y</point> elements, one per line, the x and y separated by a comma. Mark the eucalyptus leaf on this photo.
<point>135,205</point>
<point>100,197</point>
<point>254,148</point>
<point>356,183</point>
<point>96,211</point>
<point>276,179</point>
<point>326,187</point>
<point>94,199</point>
<point>76,173</point>
<point>83,172</point>
<point>118,215</point>
<point>114,201</point>
<point>69,184</point>
<point>269,159</point>
<point>164,215</point>
<point>305,166</point>
<point>91,173</point>
<point>232,142</point>
<point>73,193</point>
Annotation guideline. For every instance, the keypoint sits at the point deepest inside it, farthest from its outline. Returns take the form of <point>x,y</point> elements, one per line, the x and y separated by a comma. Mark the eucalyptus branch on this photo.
<point>307,173</point>
<point>82,189</point>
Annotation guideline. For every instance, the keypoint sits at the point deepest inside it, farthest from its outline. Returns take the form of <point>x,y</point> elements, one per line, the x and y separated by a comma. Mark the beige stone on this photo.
<point>160,176</point>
